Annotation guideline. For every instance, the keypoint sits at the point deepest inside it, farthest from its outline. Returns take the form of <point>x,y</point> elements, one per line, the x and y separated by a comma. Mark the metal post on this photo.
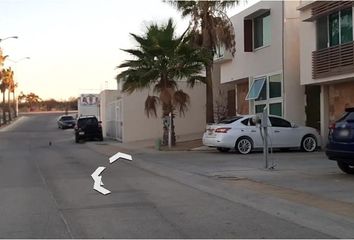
<point>265,131</point>
<point>170,130</point>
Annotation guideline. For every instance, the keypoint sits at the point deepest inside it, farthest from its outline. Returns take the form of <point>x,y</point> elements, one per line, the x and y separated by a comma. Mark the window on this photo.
<point>335,29</point>
<point>257,30</point>
<point>279,122</point>
<point>256,88</point>
<point>322,33</point>
<point>230,120</point>
<point>248,122</point>
<point>262,30</point>
<point>346,26</point>
<point>275,109</point>
<point>259,108</point>
<point>275,86</point>
<point>267,92</point>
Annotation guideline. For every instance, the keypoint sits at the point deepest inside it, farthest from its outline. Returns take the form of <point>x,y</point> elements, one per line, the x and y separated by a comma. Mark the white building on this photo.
<point>265,70</point>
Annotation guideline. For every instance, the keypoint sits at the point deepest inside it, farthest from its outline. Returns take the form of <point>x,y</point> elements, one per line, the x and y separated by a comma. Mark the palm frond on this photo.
<point>151,103</point>
<point>181,102</point>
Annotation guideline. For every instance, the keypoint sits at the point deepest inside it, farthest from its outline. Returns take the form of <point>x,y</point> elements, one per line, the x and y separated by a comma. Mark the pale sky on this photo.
<point>74,45</point>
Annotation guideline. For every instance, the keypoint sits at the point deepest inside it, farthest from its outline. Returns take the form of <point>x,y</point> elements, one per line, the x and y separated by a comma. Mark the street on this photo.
<point>47,191</point>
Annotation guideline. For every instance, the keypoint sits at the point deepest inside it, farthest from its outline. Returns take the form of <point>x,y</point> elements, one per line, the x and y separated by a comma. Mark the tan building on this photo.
<point>265,71</point>
<point>124,118</point>
<point>327,59</point>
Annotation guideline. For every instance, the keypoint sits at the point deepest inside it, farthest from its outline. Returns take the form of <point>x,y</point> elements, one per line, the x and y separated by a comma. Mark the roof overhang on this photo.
<point>257,13</point>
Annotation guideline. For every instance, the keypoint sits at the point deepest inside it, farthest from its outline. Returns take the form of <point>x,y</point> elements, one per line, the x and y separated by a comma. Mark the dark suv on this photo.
<point>340,145</point>
<point>88,127</point>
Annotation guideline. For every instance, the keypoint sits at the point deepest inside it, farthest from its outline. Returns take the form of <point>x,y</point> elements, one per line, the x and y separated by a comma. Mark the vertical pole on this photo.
<point>170,130</point>
<point>265,131</point>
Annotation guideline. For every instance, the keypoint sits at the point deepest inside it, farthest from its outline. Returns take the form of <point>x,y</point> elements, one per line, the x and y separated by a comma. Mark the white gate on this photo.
<point>115,120</point>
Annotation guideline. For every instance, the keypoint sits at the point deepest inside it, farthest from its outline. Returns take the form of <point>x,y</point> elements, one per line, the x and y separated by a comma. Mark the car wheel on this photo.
<point>222,149</point>
<point>309,143</point>
<point>100,138</point>
<point>345,167</point>
<point>244,145</point>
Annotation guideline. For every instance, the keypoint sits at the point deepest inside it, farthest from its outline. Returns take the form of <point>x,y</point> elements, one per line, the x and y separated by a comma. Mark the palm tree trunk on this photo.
<point>3,108</point>
<point>14,103</point>
<point>209,94</point>
<point>9,103</point>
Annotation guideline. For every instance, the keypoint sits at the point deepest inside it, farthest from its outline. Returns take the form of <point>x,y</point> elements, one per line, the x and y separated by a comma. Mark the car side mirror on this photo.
<point>293,125</point>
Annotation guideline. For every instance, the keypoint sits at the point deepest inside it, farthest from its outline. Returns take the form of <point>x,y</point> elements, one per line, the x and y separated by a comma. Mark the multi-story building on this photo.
<point>327,59</point>
<point>265,71</point>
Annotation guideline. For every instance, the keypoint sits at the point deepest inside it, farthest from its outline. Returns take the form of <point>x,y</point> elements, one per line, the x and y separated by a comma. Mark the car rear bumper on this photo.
<point>217,141</point>
<point>345,156</point>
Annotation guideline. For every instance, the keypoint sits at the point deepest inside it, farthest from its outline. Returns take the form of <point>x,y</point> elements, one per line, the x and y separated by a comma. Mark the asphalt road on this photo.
<point>46,192</point>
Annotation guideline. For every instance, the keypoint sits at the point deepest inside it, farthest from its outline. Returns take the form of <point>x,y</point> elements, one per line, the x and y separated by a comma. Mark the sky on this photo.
<point>74,45</point>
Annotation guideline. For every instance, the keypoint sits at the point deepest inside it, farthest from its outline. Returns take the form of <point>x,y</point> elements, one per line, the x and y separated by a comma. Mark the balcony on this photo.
<point>333,61</point>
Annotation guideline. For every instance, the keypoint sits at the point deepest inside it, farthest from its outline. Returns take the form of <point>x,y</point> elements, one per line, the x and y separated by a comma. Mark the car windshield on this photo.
<point>348,116</point>
<point>66,118</point>
<point>87,121</point>
<point>230,120</point>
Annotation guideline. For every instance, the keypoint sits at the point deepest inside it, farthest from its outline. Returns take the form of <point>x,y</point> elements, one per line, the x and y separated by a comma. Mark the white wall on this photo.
<point>262,61</point>
<point>106,97</point>
<point>137,126</point>
<point>294,93</point>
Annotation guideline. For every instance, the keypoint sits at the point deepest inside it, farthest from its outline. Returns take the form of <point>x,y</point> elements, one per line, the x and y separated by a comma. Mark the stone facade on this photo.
<point>341,96</point>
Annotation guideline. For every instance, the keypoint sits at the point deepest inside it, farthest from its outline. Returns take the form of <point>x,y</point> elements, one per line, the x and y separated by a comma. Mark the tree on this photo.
<point>211,28</point>
<point>13,87</point>
<point>10,87</point>
<point>32,99</point>
<point>160,60</point>
<point>3,86</point>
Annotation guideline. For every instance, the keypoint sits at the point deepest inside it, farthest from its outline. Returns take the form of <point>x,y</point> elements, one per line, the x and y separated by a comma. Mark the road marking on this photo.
<point>97,185</point>
<point>118,155</point>
<point>98,181</point>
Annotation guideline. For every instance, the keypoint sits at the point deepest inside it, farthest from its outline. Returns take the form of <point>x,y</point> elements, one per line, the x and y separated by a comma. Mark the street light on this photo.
<point>19,60</point>
<point>3,39</point>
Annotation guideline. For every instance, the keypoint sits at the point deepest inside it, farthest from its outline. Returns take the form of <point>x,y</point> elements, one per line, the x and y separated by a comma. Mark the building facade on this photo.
<point>265,70</point>
<point>327,59</point>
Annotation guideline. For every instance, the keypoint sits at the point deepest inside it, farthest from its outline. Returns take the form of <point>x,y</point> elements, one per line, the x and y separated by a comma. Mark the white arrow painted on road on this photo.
<point>97,185</point>
<point>118,155</point>
<point>98,181</point>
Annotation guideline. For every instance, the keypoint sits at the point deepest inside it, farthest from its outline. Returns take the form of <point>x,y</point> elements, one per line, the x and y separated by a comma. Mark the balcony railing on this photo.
<point>333,61</point>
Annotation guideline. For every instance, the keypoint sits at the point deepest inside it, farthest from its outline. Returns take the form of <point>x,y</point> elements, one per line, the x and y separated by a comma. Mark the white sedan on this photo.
<point>242,134</point>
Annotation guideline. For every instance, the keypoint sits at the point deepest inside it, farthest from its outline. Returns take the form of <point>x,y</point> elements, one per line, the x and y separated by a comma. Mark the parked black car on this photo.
<point>88,127</point>
<point>340,145</point>
<point>66,121</point>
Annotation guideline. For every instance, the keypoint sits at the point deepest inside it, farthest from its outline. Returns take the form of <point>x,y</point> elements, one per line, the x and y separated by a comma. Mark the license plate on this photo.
<point>344,133</point>
<point>81,133</point>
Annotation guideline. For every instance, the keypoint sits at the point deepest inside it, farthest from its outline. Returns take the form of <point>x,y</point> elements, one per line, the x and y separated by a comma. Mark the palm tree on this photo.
<point>13,87</point>
<point>211,29</point>
<point>3,86</point>
<point>160,60</point>
<point>10,85</point>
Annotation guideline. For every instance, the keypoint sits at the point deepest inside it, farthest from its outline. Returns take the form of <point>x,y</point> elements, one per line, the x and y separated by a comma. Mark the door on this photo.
<point>312,109</point>
<point>282,134</point>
